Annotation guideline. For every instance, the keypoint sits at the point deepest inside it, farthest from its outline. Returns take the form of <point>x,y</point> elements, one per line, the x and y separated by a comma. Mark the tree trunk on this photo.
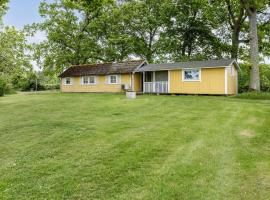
<point>254,51</point>
<point>235,43</point>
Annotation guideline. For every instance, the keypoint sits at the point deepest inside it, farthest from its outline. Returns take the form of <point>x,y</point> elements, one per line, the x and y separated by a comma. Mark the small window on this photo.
<point>113,79</point>
<point>86,80</point>
<point>91,79</point>
<point>67,81</point>
<point>191,75</point>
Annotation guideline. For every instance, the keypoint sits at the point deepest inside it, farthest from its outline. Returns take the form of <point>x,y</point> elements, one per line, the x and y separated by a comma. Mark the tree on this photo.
<point>230,18</point>
<point>14,59</point>
<point>13,56</point>
<point>236,19</point>
<point>190,31</point>
<point>252,7</point>
<point>71,28</point>
<point>143,24</point>
<point>3,8</point>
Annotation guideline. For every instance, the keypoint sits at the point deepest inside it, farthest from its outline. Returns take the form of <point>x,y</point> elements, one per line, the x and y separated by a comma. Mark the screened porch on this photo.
<point>155,82</point>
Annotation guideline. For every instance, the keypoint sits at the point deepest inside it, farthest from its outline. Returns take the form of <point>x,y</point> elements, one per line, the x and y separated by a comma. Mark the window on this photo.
<point>191,75</point>
<point>86,80</point>
<point>92,80</point>
<point>67,81</point>
<point>113,79</point>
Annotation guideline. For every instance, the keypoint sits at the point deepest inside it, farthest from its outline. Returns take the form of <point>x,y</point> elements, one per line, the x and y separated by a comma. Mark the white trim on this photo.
<point>236,74</point>
<point>118,79</point>
<point>145,61</point>
<point>143,82</point>
<point>169,80</point>
<point>64,80</point>
<point>132,82</point>
<point>183,75</point>
<point>226,80</point>
<point>88,77</point>
<point>181,68</point>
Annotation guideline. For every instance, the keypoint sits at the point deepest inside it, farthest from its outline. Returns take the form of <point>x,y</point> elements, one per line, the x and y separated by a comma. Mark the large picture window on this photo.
<point>191,75</point>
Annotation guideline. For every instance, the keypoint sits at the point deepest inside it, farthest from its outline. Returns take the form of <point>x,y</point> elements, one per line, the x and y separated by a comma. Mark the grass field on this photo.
<point>103,146</point>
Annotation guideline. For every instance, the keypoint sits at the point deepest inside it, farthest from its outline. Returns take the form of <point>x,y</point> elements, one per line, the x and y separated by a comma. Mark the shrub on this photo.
<point>254,95</point>
<point>9,89</point>
<point>2,87</point>
<point>52,86</point>
<point>244,75</point>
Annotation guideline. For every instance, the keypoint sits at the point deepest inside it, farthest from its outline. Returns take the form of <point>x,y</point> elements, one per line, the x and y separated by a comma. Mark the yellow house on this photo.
<point>217,77</point>
<point>105,77</point>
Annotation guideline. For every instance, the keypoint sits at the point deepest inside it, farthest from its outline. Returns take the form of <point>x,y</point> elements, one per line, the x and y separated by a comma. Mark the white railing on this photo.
<point>156,87</point>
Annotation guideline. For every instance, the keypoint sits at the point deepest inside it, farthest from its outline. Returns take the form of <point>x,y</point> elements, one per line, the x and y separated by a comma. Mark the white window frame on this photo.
<point>186,69</point>
<point>88,80</point>
<point>65,81</point>
<point>117,79</point>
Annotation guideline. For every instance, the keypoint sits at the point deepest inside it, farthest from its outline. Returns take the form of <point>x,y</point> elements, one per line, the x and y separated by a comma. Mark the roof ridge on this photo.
<point>104,63</point>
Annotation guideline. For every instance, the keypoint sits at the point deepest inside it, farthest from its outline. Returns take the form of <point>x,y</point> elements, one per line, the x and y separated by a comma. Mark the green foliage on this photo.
<point>3,8</point>
<point>35,81</point>
<point>254,95</point>
<point>2,86</point>
<point>190,31</point>
<point>244,77</point>
<point>71,35</point>
<point>13,56</point>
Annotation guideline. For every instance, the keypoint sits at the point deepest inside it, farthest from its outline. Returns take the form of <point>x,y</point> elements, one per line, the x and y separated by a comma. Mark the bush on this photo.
<point>254,95</point>
<point>2,87</point>
<point>9,89</point>
<point>52,86</point>
<point>244,75</point>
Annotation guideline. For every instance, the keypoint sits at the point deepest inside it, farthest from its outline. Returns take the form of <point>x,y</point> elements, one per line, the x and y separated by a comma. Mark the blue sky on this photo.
<point>23,12</point>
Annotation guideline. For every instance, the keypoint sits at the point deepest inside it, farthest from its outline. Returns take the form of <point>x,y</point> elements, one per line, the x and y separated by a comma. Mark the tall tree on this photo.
<point>143,25</point>
<point>71,34</point>
<point>190,31</point>
<point>3,8</point>
<point>230,17</point>
<point>13,56</point>
<point>236,18</point>
<point>252,7</point>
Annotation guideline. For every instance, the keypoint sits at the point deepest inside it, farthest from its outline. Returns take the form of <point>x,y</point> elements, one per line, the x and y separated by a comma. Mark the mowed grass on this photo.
<point>104,146</point>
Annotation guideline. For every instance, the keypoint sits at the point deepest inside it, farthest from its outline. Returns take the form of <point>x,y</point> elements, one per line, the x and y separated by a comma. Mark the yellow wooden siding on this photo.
<point>138,82</point>
<point>101,85</point>
<point>232,80</point>
<point>212,82</point>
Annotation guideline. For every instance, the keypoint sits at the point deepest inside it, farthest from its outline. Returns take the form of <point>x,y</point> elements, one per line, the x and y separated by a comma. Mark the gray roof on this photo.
<point>190,64</point>
<point>102,68</point>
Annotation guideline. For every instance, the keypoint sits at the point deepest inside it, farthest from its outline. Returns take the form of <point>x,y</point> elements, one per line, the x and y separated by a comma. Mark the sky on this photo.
<point>23,12</point>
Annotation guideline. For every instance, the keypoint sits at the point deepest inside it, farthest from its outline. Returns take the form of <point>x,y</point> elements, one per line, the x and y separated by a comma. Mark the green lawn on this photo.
<point>104,146</point>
